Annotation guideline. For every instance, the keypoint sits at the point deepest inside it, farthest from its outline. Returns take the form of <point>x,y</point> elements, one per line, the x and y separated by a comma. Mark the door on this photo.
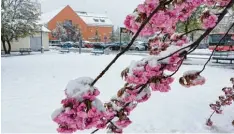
<point>35,43</point>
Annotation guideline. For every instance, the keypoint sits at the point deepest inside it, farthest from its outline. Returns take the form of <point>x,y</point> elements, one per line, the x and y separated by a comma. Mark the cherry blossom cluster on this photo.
<point>166,18</point>
<point>208,20</point>
<point>81,109</point>
<point>220,3</point>
<point>191,78</point>
<point>157,44</point>
<point>224,100</point>
<point>142,77</point>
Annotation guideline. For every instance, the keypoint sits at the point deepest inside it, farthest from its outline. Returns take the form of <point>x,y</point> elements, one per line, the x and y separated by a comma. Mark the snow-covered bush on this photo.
<point>18,19</point>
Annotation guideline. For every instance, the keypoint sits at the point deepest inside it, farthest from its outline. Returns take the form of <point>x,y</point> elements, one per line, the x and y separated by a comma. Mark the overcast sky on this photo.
<point>115,9</point>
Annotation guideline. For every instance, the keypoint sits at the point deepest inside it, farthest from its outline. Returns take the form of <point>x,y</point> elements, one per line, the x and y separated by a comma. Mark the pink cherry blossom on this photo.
<point>123,123</point>
<point>209,20</point>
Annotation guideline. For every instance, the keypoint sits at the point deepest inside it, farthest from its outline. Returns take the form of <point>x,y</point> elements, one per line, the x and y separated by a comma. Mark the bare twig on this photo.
<point>131,42</point>
<point>216,47</point>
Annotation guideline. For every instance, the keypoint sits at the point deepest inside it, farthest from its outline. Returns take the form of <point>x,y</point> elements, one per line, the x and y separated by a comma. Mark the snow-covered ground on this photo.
<point>32,87</point>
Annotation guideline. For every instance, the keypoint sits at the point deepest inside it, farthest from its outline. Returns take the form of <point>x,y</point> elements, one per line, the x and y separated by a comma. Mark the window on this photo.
<point>68,22</point>
<point>96,20</point>
<point>102,20</point>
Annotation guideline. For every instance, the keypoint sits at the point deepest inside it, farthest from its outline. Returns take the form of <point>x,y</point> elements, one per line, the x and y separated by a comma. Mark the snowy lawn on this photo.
<point>32,87</point>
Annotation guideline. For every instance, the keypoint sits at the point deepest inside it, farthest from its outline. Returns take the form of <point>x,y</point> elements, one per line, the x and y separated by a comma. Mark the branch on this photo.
<point>177,68</point>
<point>142,87</point>
<point>131,42</point>
<point>198,29</point>
<point>216,47</point>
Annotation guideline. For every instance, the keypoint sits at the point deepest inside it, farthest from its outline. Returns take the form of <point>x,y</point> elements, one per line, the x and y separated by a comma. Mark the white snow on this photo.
<point>57,112</point>
<point>44,29</point>
<point>98,104</point>
<point>33,87</point>
<point>94,19</point>
<point>46,17</point>
<point>76,88</point>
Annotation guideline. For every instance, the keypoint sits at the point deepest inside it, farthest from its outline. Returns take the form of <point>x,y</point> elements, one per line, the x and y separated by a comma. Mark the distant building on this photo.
<point>90,24</point>
<point>35,42</point>
<point>225,23</point>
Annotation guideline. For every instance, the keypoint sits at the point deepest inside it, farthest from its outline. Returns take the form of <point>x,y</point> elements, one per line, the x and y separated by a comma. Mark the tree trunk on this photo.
<point>4,45</point>
<point>9,47</point>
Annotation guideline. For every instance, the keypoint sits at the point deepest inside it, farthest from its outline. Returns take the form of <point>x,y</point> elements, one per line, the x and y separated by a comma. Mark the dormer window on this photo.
<point>102,20</point>
<point>96,20</point>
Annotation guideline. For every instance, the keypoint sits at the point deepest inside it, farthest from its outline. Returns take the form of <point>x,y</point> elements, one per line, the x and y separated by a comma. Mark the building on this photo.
<point>225,23</point>
<point>35,42</point>
<point>90,24</point>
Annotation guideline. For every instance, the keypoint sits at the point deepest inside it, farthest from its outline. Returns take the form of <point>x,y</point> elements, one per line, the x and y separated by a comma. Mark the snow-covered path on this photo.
<point>32,87</point>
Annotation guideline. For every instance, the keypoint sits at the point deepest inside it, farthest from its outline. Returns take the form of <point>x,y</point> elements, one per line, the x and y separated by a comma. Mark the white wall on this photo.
<point>45,39</point>
<point>25,42</point>
<point>20,43</point>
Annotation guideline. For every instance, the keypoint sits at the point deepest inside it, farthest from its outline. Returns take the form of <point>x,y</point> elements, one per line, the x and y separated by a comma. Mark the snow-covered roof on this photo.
<point>91,19</point>
<point>44,29</point>
<point>94,19</point>
<point>46,17</point>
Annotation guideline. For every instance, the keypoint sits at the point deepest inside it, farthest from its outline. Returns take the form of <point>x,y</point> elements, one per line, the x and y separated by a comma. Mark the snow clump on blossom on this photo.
<point>81,109</point>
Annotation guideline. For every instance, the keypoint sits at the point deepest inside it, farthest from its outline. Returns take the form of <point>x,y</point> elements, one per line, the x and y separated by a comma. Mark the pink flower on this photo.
<point>209,20</point>
<point>101,125</point>
<point>128,21</point>
<point>110,114</point>
<point>70,102</point>
<point>141,8</point>
<point>93,112</point>
<point>123,123</point>
<point>209,122</point>
<point>88,96</point>
<point>96,92</point>
<point>160,87</point>
<point>210,2</point>
<point>136,80</point>
<point>153,2</point>
<point>144,98</point>
<point>66,129</point>
<point>129,98</point>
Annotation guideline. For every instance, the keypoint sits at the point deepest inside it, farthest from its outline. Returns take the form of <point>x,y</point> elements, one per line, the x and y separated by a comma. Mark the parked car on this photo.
<point>117,46</point>
<point>67,44</point>
<point>77,44</point>
<point>55,43</point>
<point>88,45</point>
<point>100,48</point>
<point>141,47</point>
<point>138,46</point>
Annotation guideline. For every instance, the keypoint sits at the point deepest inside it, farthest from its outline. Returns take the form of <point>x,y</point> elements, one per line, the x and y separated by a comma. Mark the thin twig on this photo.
<point>131,42</point>
<point>211,115</point>
<point>198,29</point>
<point>216,47</point>
<point>177,68</point>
